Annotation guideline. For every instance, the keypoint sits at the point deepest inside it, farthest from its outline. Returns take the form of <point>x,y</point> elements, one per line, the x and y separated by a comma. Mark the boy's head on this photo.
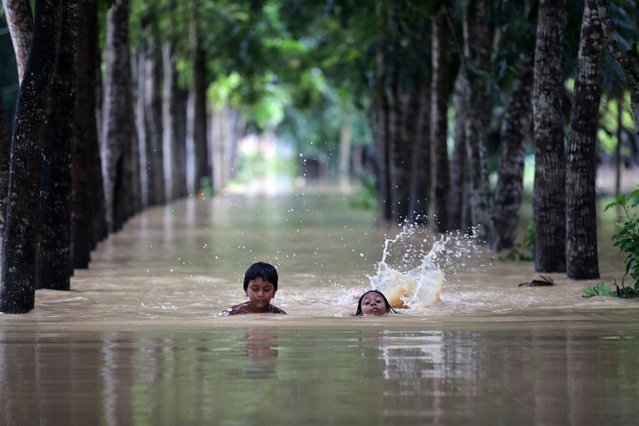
<point>261,270</point>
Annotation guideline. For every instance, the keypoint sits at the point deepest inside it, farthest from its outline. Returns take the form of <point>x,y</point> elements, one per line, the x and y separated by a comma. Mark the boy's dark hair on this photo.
<point>262,270</point>
<point>389,308</point>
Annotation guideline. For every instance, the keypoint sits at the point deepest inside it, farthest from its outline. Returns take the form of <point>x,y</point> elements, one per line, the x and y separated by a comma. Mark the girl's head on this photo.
<point>373,302</point>
<point>265,271</point>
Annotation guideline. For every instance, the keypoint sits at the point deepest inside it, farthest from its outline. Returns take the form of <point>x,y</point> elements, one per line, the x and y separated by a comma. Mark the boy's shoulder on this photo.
<point>242,308</point>
<point>245,308</point>
<point>275,310</point>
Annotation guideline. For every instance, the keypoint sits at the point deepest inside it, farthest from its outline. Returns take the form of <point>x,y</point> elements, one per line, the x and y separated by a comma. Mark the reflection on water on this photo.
<point>139,340</point>
<point>367,375</point>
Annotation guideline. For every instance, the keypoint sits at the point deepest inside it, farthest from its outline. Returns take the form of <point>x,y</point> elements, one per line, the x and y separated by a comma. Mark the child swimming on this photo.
<point>260,285</point>
<point>373,302</point>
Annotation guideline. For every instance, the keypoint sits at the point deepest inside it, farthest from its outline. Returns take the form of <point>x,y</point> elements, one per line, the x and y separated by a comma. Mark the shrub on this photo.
<point>627,240</point>
<point>627,236</point>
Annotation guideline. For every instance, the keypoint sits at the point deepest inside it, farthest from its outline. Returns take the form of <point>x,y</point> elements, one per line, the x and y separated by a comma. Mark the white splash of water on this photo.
<point>411,271</point>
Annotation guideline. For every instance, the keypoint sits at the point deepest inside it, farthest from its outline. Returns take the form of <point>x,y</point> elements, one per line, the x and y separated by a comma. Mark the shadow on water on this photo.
<point>139,338</point>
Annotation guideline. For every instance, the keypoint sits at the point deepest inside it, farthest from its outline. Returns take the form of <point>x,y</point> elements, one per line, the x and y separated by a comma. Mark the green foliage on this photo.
<point>600,289</point>
<point>255,166</point>
<point>206,187</point>
<point>607,133</point>
<point>366,197</point>
<point>627,240</point>
<point>301,67</point>
<point>627,236</point>
<point>523,249</point>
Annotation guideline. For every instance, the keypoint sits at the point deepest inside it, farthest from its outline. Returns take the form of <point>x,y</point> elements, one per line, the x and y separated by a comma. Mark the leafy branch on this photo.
<point>627,240</point>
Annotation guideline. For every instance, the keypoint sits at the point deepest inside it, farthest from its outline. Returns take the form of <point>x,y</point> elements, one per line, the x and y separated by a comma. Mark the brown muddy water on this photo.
<point>139,340</point>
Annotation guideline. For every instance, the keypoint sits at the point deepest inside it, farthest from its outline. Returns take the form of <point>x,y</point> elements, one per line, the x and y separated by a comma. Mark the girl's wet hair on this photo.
<point>389,308</point>
<point>263,270</point>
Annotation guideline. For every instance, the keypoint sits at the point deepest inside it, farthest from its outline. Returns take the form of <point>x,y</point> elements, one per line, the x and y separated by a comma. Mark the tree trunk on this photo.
<point>138,71</point>
<point>4,164</point>
<point>200,129</point>
<point>55,261</point>
<point>510,186</point>
<point>153,118</point>
<point>412,127</point>
<point>477,45</point>
<point>20,23</point>
<point>629,60</point>
<point>379,124</point>
<point>582,261</point>
<point>238,129</point>
<point>550,175</point>
<point>135,164</point>
<point>223,123</point>
<point>401,150</point>
<point>101,224</point>
<point>439,123</point>
<point>420,165</point>
<point>177,119</point>
<point>88,191</point>
<point>618,145</point>
<point>176,110</point>
<point>118,118</point>
<point>344,159</point>
<point>17,290</point>
<point>457,199</point>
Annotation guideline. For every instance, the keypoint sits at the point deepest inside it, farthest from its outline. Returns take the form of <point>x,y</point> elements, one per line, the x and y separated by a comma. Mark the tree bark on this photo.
<point>20,23</point>
<point>134,148</point>
<point>238,129</point>
<point>17,289</point>
<point>139,159</point>
<point>628,60</point>
<point>4,164</point>
<point>101,224</point>
<point>118,118</point>
<point>582,261</point>
<point>550,173</point>
<point>344,159</point>
<point>88,215</point>
<point>200,129</point>
<point>176,109</point>
<point>457,200</point>
<point>156,188</point>
<point>439,124</point>
<point>55,261</point>
<point>401,150</point>
<point>177,106</point>
<point>477,45</point>
<point>379,126</point>
<point>420,168</point>
<point>618,145</point>
<point>510,186</point>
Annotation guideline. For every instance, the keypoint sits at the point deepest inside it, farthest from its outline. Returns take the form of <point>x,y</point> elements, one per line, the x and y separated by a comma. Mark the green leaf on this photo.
<point>600,289</point>
<point>610,205</point>
<point>621,199</point>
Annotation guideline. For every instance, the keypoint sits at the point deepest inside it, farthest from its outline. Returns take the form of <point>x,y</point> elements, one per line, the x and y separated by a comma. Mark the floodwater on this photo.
<point>139,339</point>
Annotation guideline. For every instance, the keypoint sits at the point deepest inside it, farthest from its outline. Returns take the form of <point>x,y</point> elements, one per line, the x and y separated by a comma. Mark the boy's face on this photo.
<point>373,304</point>
<point>260,293</point>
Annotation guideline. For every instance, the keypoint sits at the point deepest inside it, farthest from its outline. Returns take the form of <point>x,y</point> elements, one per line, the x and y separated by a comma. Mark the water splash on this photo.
<point>411,271</point>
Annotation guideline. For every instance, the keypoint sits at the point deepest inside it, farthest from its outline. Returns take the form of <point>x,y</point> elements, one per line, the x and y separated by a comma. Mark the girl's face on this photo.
<point>373,304</point>
<point>260,293</point>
